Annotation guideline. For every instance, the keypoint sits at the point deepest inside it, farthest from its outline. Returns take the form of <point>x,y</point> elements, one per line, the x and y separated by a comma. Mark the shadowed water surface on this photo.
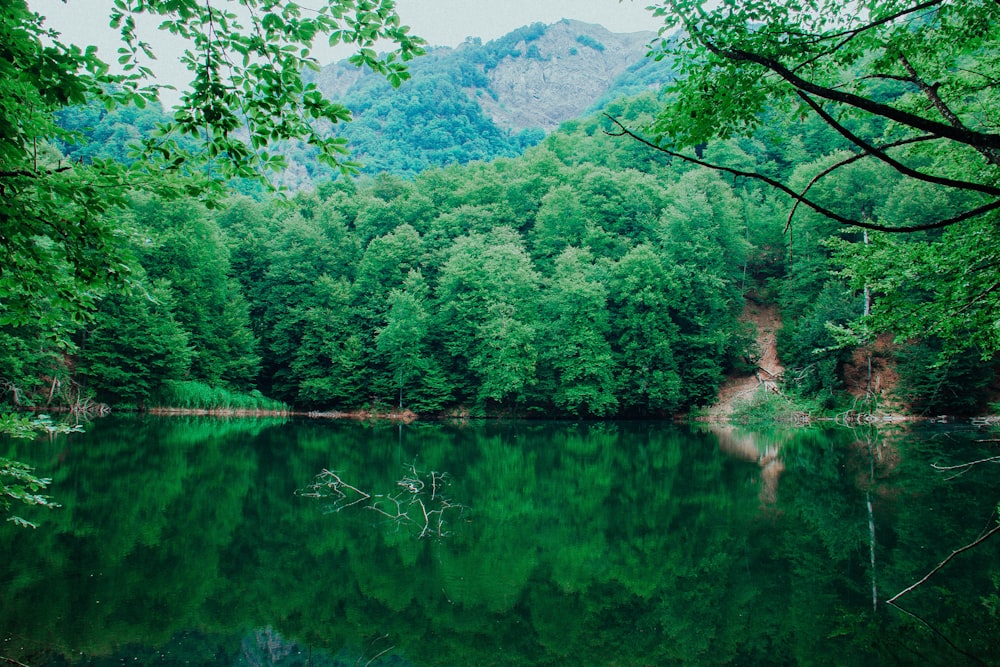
<point>213,542</point>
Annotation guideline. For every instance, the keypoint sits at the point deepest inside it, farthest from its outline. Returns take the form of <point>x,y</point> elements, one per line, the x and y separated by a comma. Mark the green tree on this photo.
<point>487,316</point>
<point>702,236</point>
<point>910,86</point>
<point>385,265</point>
<point>306,286</point>
<point>133,345</point>
<point>405,342</point>
<point>32,359</point>
<point>576,366</point>
<point>327,364</point>
<point>561,222</point>
<point>183,247</point>
<point>642,292</point>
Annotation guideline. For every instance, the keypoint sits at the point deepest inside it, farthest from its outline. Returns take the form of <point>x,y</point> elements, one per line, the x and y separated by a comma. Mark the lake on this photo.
<point>198,541</point>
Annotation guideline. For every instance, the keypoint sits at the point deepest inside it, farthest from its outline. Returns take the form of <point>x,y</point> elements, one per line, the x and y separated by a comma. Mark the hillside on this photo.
<point>482,101</point>
<point>477,102</point>
<point>535,77</point>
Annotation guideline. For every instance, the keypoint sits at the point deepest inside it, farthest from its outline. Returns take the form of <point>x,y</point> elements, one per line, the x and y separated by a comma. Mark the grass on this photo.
<point>193,395</point>
<point>767,406</point>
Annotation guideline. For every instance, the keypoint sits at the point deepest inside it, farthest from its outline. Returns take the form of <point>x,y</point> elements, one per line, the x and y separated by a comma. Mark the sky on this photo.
<point>440,22</point>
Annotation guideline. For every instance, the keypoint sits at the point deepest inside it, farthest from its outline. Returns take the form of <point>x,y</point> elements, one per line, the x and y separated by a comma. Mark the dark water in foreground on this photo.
<point>185,542</point>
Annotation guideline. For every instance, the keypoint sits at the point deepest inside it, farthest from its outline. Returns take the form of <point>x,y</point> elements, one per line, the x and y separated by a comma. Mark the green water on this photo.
<point>199,542</point>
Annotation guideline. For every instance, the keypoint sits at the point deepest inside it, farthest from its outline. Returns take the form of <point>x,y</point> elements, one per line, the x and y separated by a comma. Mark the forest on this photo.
<point>601,272</point>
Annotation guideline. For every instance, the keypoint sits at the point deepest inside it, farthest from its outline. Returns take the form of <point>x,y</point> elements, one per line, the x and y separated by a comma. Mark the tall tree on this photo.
<point>183,246</point>
<point>133,346</point>
<point>487,315</point>
<point>576,366</point>
<point>307,280</point>
<point>909,84</point>
<point>642,292</point>
<point>405,342</point>
<point>702,236</point>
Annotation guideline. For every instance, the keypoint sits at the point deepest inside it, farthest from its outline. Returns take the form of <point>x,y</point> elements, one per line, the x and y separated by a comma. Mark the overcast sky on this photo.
<point>440,22</point>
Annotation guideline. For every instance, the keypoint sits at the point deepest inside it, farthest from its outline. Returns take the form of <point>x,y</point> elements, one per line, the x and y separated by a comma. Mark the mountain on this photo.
<point>481,101</point>
<point>558,75</point>
<point>476,102</point>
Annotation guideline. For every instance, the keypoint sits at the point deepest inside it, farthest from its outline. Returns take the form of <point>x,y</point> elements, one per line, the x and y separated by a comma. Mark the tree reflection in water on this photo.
<point>601,543</point>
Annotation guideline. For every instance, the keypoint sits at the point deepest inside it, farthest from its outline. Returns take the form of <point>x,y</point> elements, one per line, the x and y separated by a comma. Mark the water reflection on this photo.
<point>596,544</point>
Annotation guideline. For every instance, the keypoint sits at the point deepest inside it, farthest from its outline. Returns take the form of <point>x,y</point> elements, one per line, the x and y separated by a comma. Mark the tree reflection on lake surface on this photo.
<point>191,541</point>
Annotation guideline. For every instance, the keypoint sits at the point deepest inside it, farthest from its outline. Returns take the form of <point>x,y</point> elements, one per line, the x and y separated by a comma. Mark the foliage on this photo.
<point>21,426</point>
<point>60,245</point>
<point>765,407</point>
<point>194,395</point>
<point>959,385</point>
<point>183,249</point>
<point>133,345</point>
<point>19,485</point>
<point>908,87</point>
<point>247,73</point>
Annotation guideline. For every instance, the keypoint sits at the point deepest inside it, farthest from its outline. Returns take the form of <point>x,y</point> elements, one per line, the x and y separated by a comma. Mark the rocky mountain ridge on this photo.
<point>570,67</point>
<point>535,77</point>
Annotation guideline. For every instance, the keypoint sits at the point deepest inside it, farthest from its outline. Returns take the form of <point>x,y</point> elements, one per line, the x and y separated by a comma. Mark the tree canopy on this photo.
<point>910,88</point>
<point>247,60</point>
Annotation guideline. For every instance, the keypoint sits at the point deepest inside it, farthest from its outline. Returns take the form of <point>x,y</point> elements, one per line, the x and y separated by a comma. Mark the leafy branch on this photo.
<point>736,61</point>
<point>800,197</point>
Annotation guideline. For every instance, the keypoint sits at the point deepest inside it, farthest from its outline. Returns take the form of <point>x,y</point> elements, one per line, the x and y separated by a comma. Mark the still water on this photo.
<point>239,542</point>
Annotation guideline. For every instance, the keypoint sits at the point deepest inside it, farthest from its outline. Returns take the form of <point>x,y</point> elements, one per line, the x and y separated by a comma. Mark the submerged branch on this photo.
<point>965,467</point>
<point>409,505</point>
<point>12,661</point>
<point>982,538</point>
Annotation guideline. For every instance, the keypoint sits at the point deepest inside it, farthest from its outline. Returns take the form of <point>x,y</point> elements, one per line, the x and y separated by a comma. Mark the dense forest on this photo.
<point>588,277</point>
<point>593,274</point>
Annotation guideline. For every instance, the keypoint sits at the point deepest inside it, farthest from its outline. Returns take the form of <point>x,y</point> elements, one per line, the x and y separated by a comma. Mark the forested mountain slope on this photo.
<point>481,101</point>
<point>535,77</point>
<point>476,102</point>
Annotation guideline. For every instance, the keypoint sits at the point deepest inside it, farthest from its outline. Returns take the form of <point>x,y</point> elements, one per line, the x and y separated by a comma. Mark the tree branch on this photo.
<point>895,164</point>
<point>965,467</point>
<point>844,163</point>
<point>798,197</point>
<point>959,135</point>
<point>982,538</point>
<point>931,92</point>
<point>848,35</point>
<point>625,132</point>
<point>34,173</point>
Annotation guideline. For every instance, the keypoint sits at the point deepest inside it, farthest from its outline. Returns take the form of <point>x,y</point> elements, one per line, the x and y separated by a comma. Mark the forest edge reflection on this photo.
<point>621,543</point>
